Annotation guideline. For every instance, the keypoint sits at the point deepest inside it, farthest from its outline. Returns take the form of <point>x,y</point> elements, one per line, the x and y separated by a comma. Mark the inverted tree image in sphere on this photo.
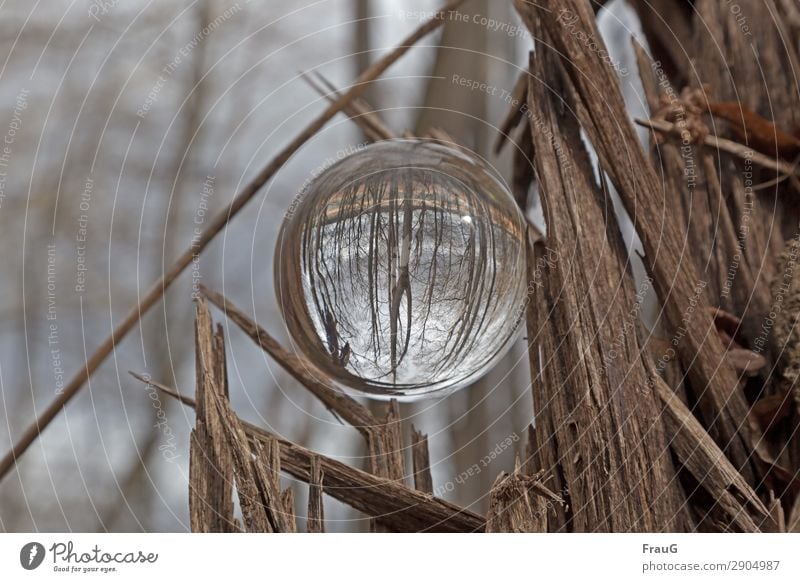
<point>400,270</point>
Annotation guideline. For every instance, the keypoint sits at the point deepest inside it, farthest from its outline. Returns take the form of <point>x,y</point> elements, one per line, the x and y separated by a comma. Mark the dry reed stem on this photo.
<point>215,226</point>
<point>359,110</point>
<point>726,145</point>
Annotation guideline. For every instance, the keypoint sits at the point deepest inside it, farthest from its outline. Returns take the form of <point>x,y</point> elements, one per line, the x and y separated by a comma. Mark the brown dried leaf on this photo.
<point>759,133</point>
<point>745,361</point>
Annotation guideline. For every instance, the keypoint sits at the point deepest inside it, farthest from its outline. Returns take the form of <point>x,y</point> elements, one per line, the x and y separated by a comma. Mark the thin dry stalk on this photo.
<point>215,227</point>
<point>359,110</point>
<point>737,149</point>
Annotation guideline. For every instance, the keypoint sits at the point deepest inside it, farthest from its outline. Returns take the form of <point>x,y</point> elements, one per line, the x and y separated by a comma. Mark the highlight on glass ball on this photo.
<point>400,270</point>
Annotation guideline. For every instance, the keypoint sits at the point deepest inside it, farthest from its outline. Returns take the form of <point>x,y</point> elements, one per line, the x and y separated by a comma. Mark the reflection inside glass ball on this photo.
<point>400,271</point>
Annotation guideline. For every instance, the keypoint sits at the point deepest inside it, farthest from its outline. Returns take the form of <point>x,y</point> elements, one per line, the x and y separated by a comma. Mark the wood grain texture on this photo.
<point>594,94</point>
<point>316,508</point>
<point>596,413</point>
<point>398,506</point>
<point>220,437</point>
<point>520,502</point>
<point>210,464</point>
<point>420,457</point>
<point>701,456</point>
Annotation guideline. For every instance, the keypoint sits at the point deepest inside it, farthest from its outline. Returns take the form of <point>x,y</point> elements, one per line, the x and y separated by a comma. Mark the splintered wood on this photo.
<point>520,503</point>
<point>395,506</point>
<point>210,463</point>
<point>401,507</point>
<point>590,379</point>
<point>226,451</point>
<point>420,457</point>
<point>625,438</point>
<point>603,116</point>
<point>221,454</point>
<point>716,448</point>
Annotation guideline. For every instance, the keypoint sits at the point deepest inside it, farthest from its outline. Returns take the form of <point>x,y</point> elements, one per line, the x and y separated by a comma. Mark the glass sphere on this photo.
<point>400,270</point>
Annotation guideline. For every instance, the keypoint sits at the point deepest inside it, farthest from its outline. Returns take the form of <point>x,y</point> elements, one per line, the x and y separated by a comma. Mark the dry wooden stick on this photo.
<point>215,226</point>
<point>262,501</point>
<point>421,460</point>
<point>386,446</point>
<point>385,450</point>
<point>316,510</point>
<point>301,369</point>
<point>397,506</point>
<point>701,456</point>
<point>359,110</point>
<point>542,453</point>
<point>210,464</point>
<point>255,510</point>
<point>726,145</point>
<point>266,462</point>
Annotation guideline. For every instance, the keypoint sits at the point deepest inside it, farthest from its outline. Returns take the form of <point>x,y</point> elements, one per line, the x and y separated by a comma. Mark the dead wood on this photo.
<point>597,422</point>
<point>423,481</point>
<point>701,457</point>
<point>519,503</point>
<point>316,509</point>
<point>398,506</point>
<point>593,94</point>
<point>210,462</point>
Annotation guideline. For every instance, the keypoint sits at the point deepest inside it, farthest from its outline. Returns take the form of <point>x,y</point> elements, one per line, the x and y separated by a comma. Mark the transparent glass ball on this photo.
<point>400,270</point>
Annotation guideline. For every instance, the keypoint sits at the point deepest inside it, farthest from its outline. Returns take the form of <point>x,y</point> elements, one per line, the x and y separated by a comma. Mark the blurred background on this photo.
<point>127,125</point>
